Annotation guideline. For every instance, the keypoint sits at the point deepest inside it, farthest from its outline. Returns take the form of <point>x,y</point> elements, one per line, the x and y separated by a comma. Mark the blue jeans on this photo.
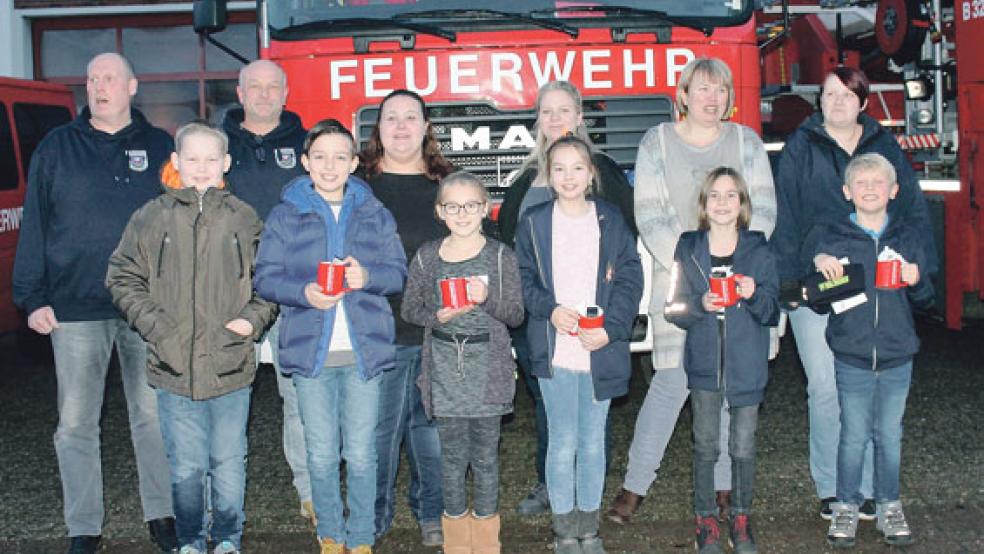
<point>872,405</point>
<point>706,407</point>
<point>576,452</point>
<point>294,449</point>
<point>339,412</point>
<point>206,438</point>
<point>402,419</point>
<point>809,328</point>
<point>82,350</point>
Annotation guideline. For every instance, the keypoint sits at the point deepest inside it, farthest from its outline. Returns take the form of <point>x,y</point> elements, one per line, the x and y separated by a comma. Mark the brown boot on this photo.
<point>485,535</point>
<point>457,533</point>
<point>724,505</point>
<point>624,506</point>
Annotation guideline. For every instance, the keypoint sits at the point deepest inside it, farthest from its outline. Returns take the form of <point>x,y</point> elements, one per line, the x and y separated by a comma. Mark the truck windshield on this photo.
<point>293,19</point>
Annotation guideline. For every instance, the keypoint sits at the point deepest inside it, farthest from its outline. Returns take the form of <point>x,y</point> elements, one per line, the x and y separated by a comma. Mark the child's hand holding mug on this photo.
<point>477,290</point>
<point>240,326</point>
<point>445,315</point>
<point>564,319</point>
<point>746,286</point>
<point>909,274</point>
<point>314,295</point>
<point>356,276</point>
<point>711,302</point>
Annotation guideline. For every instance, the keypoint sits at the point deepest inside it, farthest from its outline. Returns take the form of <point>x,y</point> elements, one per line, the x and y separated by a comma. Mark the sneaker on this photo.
<point>329,546</point>
<point>825,511</point>
<point>536,502</point>
<point>708,535</point>
<point>225,547</point>
<point>84,544</point>
<point>431,534</point>
<point>891,522</point>
<point>843,525</point>
<point>188,549</point>
<point>741,538</point>
<point>361,549</point>
<point>307,512</point>
<point>867,510</point>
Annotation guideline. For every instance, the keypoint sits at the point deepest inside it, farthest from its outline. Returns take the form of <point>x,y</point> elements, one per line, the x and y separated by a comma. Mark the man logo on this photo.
<point>138,160</point>
<point>517,136</point>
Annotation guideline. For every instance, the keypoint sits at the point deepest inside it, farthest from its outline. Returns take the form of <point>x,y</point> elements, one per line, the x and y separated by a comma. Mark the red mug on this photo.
<point>454,292</point>
<point>593,317</point>
<point>888,274</point>
<point>726,288</point>
<point>331,278</point>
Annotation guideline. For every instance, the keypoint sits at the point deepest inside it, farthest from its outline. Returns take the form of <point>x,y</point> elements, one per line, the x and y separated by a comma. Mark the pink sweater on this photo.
<point>574,261</point>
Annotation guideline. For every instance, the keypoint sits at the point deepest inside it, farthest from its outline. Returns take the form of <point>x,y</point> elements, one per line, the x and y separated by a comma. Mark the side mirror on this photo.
<point>209,16</point>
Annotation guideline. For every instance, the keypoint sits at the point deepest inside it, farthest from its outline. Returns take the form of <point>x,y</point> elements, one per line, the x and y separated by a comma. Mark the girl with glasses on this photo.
<point>466,378</point>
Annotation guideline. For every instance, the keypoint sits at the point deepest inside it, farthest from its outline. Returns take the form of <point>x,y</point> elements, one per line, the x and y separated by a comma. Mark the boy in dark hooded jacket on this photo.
<point>873,341</point>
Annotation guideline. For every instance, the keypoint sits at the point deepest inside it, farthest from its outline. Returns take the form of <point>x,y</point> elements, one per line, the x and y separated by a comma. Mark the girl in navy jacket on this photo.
<point>727,345</point>
<point>334,346</point>
<point>577,252</point>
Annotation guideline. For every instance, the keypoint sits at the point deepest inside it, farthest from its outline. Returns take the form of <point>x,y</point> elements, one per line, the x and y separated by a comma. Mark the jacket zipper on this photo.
<point>239,252</point>
<point>194,279</point>
<point>874,338</point>
<point>539,269</point>
<point>721,335</point>
<point>160,255</point>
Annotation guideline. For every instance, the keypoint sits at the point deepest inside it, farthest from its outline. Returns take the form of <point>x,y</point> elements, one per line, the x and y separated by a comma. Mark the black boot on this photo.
<point>84,544</point>
<point>163,534</point>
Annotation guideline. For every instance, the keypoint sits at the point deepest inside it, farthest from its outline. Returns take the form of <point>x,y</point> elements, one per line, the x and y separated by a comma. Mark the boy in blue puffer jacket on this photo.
<point>873,343</point>
<point>334,346</point>
<point>727,346</point>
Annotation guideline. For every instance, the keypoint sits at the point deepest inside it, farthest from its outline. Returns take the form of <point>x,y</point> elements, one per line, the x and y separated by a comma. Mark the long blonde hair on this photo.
<point>538,156</point>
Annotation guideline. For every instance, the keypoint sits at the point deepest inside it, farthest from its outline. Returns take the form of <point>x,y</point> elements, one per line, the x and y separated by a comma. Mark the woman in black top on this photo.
<point>402,164</point>
<point>559,112</point>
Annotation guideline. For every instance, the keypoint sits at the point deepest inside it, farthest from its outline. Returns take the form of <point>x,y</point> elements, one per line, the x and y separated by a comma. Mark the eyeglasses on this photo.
<point>470,208</point>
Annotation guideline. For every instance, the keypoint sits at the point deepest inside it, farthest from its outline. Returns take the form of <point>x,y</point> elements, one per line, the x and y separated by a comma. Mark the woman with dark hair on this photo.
<point>809,190</point>
<point>403,164</point>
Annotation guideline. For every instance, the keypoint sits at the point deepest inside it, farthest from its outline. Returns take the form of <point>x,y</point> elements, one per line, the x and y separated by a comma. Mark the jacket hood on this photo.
<point>138,124</point>
<point>300,193</point>
<point>232,124</point>
<point>188,195</point>
<point>869,128</point>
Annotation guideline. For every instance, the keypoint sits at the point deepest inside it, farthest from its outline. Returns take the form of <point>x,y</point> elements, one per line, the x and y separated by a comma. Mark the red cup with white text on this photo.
<point>331,278</point>
<point>726,288</point>
<point>888,274</point>
<point>454,292</point>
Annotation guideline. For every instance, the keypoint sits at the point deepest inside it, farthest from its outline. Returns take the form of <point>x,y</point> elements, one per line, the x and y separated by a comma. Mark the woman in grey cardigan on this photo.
<point>665,207</point>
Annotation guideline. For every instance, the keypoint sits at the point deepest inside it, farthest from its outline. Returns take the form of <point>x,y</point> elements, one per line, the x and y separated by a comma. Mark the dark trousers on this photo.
<point>470,441</point>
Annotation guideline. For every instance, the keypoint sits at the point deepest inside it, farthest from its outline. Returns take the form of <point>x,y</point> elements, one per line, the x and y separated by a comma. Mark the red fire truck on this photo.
<point>28,110</point>
<point>928,87</point>
<point>479,66</point>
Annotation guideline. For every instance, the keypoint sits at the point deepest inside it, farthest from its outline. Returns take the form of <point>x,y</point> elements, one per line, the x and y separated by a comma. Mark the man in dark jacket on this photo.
<point>265,143</point>
<point>85,180</point>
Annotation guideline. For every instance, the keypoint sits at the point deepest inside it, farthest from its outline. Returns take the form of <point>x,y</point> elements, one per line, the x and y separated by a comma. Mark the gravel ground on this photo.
<point>942,479</point>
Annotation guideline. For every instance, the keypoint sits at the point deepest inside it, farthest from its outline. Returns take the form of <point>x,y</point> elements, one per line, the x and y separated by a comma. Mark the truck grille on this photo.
<point>616,125</point>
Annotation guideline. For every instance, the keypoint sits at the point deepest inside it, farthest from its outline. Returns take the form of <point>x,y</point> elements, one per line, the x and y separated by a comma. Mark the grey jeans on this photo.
<point>654,427</point>
<point>470,441</point>
<point>82,350</point>
<point>706,407</point>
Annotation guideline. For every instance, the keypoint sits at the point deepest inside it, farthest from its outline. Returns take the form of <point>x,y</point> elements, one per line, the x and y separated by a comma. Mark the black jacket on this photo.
<point>744,369</point>
<point>618,292</point>
<point>263,165</point>
<point>809,189</point>
<point>83,186</point>
<point>880,333</point>
<point>612,187</point>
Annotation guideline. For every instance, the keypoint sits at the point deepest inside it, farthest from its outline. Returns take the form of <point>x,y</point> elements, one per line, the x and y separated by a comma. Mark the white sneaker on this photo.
<point>188,549</point>
<point>843,525</point>
<point>225,547</point>
<point>890,520</point>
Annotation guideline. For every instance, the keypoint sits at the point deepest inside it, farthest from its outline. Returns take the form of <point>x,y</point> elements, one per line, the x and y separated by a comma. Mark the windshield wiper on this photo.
<point>491,14</point>
<point>338,24</point>
<point>614,10</point>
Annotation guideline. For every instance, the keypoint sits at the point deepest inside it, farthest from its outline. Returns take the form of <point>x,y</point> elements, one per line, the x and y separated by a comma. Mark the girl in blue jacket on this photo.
<point>727,347</point>
<point>334,346</point>
<point>576,252</point>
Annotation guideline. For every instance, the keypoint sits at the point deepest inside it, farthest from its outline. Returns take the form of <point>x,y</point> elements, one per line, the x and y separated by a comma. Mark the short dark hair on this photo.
<point>854,79</point>
<point>327,127</point>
